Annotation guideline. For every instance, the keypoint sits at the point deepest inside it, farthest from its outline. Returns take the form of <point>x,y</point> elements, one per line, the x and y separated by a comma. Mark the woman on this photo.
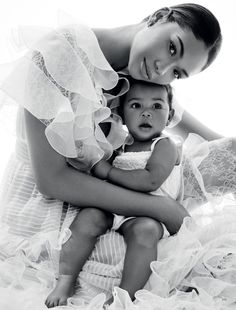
<point>59,87</point>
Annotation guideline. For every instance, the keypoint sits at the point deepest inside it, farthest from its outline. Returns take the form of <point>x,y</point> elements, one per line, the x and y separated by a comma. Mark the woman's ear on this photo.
<point>171,115</point>
<point>159,16</point>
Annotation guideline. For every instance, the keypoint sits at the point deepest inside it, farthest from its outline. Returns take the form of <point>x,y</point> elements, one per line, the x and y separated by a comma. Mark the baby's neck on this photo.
<point>139,146</point>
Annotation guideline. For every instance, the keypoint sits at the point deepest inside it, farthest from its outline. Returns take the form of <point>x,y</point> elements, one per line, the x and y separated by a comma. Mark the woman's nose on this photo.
<point>162,68</point>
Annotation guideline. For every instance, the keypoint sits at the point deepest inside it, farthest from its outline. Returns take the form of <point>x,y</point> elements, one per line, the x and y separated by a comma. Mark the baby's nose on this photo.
<point>146,114</point>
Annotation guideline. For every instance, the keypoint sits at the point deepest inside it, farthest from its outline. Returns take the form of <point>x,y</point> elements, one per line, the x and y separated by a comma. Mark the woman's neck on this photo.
<point>116,43</point>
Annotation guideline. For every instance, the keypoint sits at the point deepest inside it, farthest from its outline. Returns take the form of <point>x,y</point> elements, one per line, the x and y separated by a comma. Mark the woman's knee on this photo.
<point>145,231</point>
<point>92,221</point>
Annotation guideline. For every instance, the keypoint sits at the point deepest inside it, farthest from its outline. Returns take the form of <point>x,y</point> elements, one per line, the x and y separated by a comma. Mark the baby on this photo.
<point>152,164</point>
<point>149,164</point>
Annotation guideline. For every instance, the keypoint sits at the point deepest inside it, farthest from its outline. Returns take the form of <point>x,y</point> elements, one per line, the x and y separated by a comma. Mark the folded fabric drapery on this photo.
<point>60,81</point>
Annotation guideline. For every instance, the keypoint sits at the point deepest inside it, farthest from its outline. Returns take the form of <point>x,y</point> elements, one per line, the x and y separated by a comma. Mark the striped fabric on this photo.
<point>35,223</point>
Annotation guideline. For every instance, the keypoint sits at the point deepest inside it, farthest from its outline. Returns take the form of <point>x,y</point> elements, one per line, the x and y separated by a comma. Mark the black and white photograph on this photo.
<point>118,155</point>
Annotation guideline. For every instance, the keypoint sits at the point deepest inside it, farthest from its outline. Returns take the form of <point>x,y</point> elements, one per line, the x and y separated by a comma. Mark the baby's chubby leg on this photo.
<point>141,236</point>
<point>88,225</point>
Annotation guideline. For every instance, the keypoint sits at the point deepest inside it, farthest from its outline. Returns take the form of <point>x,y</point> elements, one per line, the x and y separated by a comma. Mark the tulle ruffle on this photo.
<point>60,81</point>
<point>196,269</point>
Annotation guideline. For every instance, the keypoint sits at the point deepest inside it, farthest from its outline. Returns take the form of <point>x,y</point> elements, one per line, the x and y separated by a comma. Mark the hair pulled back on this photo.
<point>198,19</point>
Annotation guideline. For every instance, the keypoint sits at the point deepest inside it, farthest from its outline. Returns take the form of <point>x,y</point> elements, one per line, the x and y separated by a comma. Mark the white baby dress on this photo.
<point>172,187</point>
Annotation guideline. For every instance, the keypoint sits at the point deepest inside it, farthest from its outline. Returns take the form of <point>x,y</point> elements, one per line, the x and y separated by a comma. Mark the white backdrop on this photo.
<point>210,96</point>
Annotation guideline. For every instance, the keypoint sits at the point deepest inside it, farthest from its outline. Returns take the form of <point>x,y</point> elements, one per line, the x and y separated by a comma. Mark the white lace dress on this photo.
<point>34,226</point>
<point>172,187</point>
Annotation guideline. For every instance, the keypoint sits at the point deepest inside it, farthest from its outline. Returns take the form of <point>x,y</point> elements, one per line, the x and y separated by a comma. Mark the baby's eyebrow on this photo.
<point>139,98</point>
<point>160,99</point>
<point>135,98</point>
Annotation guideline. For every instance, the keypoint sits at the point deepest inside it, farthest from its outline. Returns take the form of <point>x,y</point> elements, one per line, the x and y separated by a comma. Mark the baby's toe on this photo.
<point>62,301</point>
<point>52,302</point>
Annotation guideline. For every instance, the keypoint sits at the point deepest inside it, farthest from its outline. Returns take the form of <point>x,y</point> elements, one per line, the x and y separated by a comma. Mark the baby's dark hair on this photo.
<point>167,87</point>
<point>198,19</point>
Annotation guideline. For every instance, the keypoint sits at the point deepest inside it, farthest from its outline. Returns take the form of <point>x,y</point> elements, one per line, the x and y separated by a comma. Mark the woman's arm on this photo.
<point>190,124</point>
<point>158,168</point>
<point>56,179</point>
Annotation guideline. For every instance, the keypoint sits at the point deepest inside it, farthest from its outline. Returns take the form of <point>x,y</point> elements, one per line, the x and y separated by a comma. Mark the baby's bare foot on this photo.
<point>108,303</point>
<point>63,290</point>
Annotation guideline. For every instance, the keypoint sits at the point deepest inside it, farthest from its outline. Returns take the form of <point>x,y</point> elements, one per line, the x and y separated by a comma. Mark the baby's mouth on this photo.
<point>145,125</point>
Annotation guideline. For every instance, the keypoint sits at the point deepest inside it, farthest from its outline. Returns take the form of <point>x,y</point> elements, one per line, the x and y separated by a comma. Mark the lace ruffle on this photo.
<point>209,170</point>
<point>60,81</point>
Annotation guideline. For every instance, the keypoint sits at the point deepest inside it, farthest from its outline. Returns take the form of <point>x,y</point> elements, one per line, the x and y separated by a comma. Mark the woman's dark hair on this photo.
<point>132,81</point>
<point>198,19</point>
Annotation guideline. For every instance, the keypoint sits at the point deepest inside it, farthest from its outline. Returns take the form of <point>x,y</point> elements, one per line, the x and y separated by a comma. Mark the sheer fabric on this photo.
<point>60,81</point>
<point>209,170</point>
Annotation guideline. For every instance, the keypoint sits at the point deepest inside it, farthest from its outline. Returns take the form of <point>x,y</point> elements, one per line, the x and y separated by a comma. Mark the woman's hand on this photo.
<point>101,169</point>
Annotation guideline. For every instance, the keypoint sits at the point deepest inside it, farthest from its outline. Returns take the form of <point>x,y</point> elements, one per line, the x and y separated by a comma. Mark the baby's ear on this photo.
<point>171,115</point>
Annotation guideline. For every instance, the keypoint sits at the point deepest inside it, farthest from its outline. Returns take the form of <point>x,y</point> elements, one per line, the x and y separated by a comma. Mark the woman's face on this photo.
<point>165,52</point>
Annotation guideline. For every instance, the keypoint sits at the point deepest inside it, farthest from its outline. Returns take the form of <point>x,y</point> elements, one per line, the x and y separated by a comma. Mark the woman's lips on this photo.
<point>145,70</point>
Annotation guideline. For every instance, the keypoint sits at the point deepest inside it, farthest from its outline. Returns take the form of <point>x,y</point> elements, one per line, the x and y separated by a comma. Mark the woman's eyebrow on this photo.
<point>182,54</point>
<point>181,47</point>
<point>185,73</point>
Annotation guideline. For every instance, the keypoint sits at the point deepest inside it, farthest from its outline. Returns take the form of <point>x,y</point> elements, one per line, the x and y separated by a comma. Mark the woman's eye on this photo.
<point>177,74</point>
<point>135,105</point>
<point>157,106</point>
<point>172,49</point>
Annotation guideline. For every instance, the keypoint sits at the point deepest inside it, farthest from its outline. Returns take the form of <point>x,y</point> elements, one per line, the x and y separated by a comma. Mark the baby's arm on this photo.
<point>55,179</point>
<point>158,168</point>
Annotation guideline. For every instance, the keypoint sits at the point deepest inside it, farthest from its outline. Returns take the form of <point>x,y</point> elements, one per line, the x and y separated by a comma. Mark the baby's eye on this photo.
<point>172,49</point>
<point>177,74</point>
<point>157,106</point>
<point>135,105</point>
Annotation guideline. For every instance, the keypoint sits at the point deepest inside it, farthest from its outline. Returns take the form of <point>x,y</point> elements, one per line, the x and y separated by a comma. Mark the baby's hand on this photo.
<point>101,169</point>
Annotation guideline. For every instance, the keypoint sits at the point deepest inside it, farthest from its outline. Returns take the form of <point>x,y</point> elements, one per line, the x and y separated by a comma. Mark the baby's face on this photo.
<point>146,111</point>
